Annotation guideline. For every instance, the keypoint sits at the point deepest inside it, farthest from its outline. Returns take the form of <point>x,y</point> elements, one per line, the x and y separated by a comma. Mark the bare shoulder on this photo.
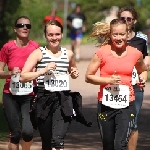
<point>36,54</point>
<point>69,53</point>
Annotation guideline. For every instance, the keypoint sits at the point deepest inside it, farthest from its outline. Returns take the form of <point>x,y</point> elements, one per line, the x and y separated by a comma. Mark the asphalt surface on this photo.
<point>80,137</point>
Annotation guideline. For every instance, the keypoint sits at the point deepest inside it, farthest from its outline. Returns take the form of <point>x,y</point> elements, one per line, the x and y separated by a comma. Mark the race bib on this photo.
<point>116,96</point>
<point>135,76</point>
<point>55,81</point>
<point>77,23</point>
<point>18,88</point>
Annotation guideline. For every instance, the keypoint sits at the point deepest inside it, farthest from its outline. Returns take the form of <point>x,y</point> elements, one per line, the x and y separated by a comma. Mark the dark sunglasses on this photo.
<point>128,19</point>
<point>21,25</point>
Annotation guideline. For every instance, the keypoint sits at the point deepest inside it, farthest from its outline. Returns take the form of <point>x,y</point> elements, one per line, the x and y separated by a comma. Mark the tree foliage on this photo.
<point>94,10</point>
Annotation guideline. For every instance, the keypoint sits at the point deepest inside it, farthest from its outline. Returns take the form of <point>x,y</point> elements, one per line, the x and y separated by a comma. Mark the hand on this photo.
<point>50,66</point>
<point>74,72</point>
<point>115,79</point>
<point>141,82</point>
<point>15,71</point>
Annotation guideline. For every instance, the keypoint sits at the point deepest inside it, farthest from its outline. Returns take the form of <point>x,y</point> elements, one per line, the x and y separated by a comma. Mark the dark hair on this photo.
<point>25,17</point>
<point>53,22</point>
<point>78,5</point>
<point>130,9</point>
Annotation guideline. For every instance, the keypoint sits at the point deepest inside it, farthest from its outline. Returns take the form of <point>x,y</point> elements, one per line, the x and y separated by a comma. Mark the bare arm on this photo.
<point>140,65</point>
<point>4,74</point>
<point>27,74</point>
<point>73,70</point>
<point>147,62</point>
<point>90,76</point>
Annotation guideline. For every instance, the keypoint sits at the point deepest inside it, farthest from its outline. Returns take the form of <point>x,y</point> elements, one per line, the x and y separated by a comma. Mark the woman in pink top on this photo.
<point>16,95</point>
<point>114,59</point>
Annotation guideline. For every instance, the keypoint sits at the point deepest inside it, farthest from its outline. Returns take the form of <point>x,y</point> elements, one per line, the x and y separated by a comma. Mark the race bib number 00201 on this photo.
<point>54,81</point>
<point>116,96</point>
<point>18,88</point>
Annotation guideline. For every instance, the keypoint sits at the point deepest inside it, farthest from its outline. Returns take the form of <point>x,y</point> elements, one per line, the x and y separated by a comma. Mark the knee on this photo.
<point>27,136</point>
<point>58,142</point>
<point>15,137</point>
<point>120,145</point>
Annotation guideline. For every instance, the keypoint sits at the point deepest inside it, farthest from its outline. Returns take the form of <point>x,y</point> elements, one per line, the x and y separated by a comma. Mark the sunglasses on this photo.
<point>21,25</point>
<point>128,19</point>
<point>116,21</point>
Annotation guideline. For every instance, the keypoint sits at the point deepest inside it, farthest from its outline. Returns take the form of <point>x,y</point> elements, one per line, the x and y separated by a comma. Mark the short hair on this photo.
<point>53,22</point>
<point>130,9</point>
<point>25,17</point>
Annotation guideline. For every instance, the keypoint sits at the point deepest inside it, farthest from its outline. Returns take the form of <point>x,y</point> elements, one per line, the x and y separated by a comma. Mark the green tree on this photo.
<point>8,10</point>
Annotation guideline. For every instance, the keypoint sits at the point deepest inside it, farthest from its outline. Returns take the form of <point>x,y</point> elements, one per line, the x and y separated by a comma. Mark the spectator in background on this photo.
<point>52,16</point>
<point>76,25</point>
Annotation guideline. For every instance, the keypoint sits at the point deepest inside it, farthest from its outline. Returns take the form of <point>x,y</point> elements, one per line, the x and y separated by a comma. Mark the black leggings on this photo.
<point>54,129</point>
<point>115,126</point>
<point>14,106</point>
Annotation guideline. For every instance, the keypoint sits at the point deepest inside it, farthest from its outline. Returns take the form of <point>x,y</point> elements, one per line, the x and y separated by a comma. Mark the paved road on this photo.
<point>85,138</point>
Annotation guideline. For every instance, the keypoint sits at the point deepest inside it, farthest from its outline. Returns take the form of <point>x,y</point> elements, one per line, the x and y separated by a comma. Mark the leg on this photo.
<point>12,113</point>
<point>59,129</point>
<point>106,126</point>
<point>125,119</point>
<point>27,129</point>
<point>73,42</point>
<point>77,50</point>
<point>134,135</point>
<point>45,130</point>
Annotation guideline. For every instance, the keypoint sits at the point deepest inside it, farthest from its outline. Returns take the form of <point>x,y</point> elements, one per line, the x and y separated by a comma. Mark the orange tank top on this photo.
<point>122,65</point>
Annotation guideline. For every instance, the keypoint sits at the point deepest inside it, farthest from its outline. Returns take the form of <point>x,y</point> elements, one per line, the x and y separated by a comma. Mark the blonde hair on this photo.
<point>101,31</point>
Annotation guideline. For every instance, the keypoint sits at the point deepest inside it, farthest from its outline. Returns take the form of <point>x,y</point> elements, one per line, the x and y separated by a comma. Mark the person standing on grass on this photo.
<point>139,41</point>
<point>76,24</point>
<point>116,101</point>
<point>17,96</point>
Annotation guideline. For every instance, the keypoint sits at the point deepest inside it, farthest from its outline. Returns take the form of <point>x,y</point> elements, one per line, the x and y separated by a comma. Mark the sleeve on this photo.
<point>99,54</point>
<point>146,50</point>
<point>4,54</point>
<point>69,18</point>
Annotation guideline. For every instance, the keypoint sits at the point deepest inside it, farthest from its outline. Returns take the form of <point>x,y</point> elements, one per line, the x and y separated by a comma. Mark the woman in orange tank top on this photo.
<point>115,60</point>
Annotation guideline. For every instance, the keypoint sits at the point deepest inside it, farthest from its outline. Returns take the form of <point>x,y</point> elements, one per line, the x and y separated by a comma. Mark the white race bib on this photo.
<point>116,96</point>
<point>77,23</point>
<point>55,81</point>
<point>18,88</point>
<point>135,76</point>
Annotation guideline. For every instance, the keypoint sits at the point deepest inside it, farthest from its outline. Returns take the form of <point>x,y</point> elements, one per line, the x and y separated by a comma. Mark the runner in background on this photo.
<point>139,41</point>
<point>52,16</point>
<point>116,100</point>
<point>17,96</point>
<point>76,25</point>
